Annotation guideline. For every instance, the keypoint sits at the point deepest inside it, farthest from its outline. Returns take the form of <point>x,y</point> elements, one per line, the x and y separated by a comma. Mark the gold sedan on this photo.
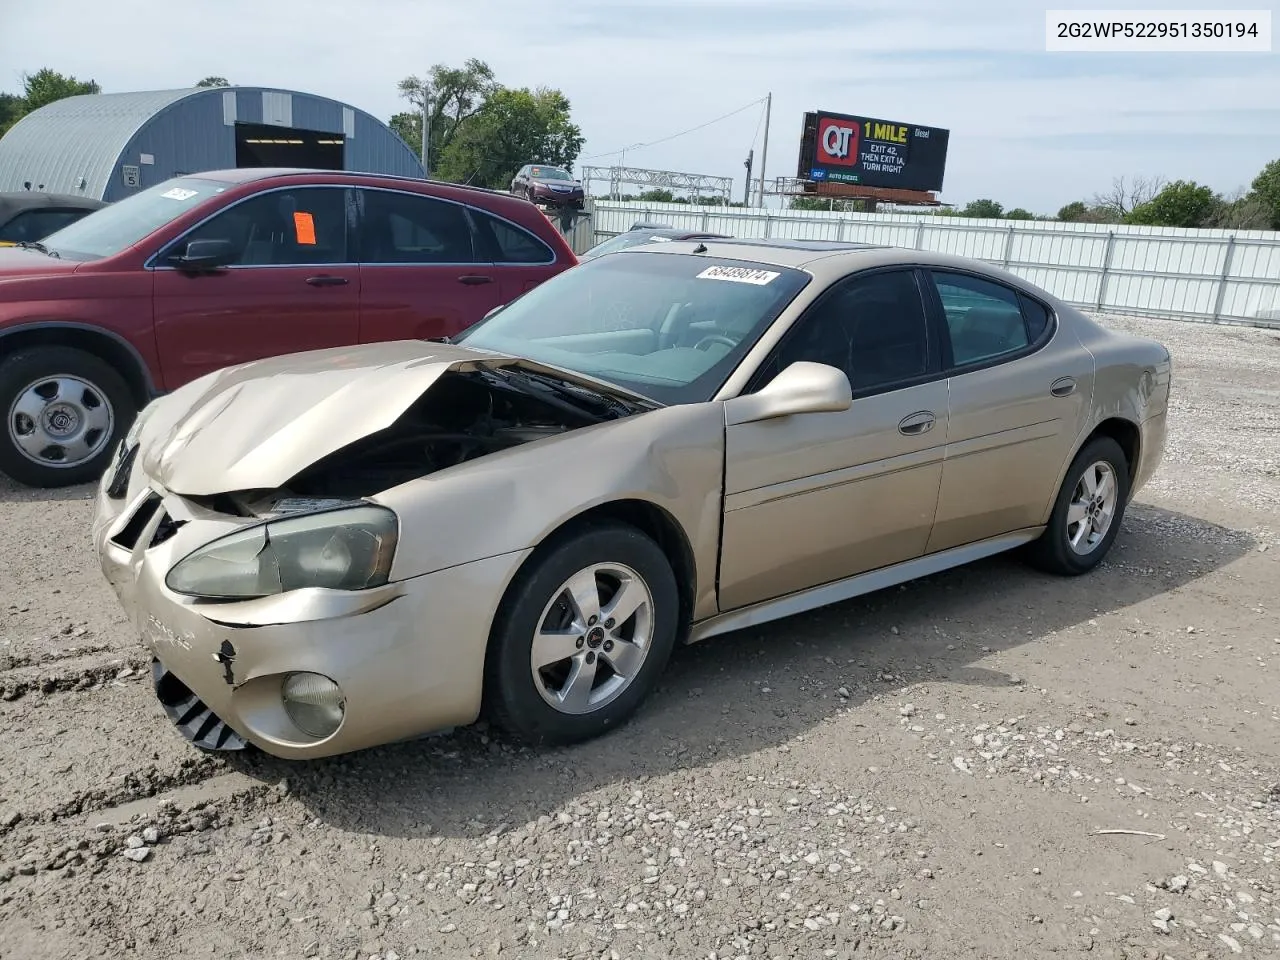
<point>342,548</point>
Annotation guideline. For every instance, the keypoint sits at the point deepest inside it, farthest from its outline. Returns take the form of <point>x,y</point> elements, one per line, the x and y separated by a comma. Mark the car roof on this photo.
<point>776,252</point>
<point>824,259</point>
<point>676,233</point>
<point>254,174</point>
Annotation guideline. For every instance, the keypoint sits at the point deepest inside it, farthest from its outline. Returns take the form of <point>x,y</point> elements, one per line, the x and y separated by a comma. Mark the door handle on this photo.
<point>1063,387</point>
<point>327,281</point>
<point>917,423</point>
<point>473,280</point>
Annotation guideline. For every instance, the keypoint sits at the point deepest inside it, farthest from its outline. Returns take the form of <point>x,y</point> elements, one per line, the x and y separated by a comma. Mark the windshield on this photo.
<point>120,225</point>
<point>551,173</point>
<point>669,327</point>
<point>623,240</point>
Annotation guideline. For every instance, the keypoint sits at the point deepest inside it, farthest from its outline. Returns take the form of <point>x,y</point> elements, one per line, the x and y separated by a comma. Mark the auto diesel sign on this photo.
<point>870,152</point>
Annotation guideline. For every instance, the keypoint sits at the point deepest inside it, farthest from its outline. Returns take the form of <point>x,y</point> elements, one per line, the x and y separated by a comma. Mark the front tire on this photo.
<point>582,637</point>
<point>65,412</point>
<point>1087,514</point>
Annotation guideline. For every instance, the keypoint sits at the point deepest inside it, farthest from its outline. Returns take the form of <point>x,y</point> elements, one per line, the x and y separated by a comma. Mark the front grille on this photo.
<point>194,720</point>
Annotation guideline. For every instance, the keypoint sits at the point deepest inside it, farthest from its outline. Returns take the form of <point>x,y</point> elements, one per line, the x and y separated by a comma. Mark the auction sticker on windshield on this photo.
<point>177,193</point>
<point>739,275</point>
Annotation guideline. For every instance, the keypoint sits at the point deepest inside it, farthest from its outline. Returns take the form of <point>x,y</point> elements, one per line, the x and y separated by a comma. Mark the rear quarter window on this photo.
<point>1036,315</point>
<point>509,243</point>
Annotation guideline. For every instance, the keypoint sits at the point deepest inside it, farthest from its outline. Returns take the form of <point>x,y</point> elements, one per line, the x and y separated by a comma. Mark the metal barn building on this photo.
<point>108,146</point>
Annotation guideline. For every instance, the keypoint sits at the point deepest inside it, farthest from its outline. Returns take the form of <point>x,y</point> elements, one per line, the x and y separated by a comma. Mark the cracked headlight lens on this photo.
<point>346,549</point>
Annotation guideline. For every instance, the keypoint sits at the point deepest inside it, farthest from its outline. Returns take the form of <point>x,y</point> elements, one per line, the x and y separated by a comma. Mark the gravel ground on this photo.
<point>989,763</point>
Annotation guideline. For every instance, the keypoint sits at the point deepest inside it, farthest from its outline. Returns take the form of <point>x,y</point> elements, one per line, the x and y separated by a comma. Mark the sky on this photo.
<point>1029,128</point>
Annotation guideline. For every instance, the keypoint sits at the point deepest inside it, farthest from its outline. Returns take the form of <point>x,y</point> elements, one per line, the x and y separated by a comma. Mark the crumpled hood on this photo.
<point>257,425</point>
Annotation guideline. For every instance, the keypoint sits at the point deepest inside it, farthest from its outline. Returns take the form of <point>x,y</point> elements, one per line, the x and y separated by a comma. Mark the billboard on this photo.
<point>867,152</point>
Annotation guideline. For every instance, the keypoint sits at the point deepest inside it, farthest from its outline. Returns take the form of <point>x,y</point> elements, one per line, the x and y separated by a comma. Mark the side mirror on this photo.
<point>204,255</point>
<point>803,387</point>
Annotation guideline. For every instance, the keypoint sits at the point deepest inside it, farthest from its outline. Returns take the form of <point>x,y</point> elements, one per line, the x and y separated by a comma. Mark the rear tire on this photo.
<point>554,675</point>
<point>64,412</point>
<point>1087,513</point>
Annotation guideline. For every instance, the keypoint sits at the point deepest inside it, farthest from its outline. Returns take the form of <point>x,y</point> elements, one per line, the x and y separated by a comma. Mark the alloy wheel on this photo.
<point>1092,508</point>
<point>592,638</point>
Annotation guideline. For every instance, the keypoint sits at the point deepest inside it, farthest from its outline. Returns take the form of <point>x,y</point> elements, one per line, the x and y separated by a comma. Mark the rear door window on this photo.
<point>984,319</point>
<point>400,227</point>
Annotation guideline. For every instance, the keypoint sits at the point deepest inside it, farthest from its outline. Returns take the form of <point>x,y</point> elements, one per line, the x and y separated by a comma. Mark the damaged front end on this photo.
<point>465,415</point>
<point>246,540</point>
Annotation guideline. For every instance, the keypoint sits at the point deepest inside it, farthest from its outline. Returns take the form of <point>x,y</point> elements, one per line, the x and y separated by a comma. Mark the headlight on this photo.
<point>345,549</point>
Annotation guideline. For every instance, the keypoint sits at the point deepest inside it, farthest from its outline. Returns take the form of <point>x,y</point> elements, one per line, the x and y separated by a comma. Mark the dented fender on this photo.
<point>672,458</point>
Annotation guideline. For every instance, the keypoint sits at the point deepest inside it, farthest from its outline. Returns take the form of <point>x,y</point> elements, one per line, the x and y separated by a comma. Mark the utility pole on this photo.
<point>764,153</point>
<point>426,129</point>
<point>746,186</point>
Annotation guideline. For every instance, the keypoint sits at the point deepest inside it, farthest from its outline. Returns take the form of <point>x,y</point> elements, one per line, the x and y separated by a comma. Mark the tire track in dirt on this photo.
<point>68,754</point>
<point>76,671</point>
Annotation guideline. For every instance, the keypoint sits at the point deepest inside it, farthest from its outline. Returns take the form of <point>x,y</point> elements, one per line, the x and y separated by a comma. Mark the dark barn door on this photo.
<point>262,145</point>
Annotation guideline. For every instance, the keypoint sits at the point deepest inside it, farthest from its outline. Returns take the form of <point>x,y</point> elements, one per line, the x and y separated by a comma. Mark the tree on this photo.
<point>1182,203</point>
<point>1241,211</point>
<point>1018,213</point>
<point>456,94</point>
<point>213,82</point>
<point>1124,196</point>
<point>11,110</point>
<point>985,209</point>
<point>45,86</point>
<point>511,128</point>
<point>1266,192</point>
<point>1073,212</point>
<point>40,89</point>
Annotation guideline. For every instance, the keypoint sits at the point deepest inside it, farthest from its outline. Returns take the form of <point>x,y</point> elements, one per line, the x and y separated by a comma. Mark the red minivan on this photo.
<point>220,268</point>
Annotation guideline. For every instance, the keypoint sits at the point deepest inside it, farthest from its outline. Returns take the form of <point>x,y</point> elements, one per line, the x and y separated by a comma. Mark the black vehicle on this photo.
<point>642,233</point>
<point>28,216</point>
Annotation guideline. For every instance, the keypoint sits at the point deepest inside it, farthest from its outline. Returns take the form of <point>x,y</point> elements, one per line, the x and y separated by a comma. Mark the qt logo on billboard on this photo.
<point>838,142</point>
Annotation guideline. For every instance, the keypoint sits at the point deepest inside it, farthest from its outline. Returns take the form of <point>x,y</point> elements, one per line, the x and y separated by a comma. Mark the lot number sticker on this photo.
<point>739,275</point>
<point>177,193</point>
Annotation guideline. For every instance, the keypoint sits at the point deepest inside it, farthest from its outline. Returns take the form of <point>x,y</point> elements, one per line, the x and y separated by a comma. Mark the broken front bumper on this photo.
<point>408,657</point>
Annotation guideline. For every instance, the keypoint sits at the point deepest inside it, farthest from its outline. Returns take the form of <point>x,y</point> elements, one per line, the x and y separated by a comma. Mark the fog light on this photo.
<point>313,702</point>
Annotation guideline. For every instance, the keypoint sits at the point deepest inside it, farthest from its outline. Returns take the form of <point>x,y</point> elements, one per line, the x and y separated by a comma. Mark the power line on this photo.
<point>654,143</point>
<point>759,124</point>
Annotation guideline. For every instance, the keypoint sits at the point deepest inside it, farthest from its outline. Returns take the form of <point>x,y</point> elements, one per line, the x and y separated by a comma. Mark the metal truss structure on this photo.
<point>695,184</point>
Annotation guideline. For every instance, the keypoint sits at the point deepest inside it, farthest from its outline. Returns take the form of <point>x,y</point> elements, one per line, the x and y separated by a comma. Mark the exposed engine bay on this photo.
<point>463,416</point>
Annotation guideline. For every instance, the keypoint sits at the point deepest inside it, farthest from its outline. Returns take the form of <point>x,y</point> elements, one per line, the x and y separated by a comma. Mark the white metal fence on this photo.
<point>1219,276</point>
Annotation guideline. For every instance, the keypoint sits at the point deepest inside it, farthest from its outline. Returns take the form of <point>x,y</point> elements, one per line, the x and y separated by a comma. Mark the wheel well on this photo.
<point>106,348</point>
<point>1125,433</point>
<point>661,527</point>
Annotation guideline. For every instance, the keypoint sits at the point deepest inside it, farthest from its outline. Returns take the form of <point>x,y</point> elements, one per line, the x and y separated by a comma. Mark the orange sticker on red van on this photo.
<point>304,227</point>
